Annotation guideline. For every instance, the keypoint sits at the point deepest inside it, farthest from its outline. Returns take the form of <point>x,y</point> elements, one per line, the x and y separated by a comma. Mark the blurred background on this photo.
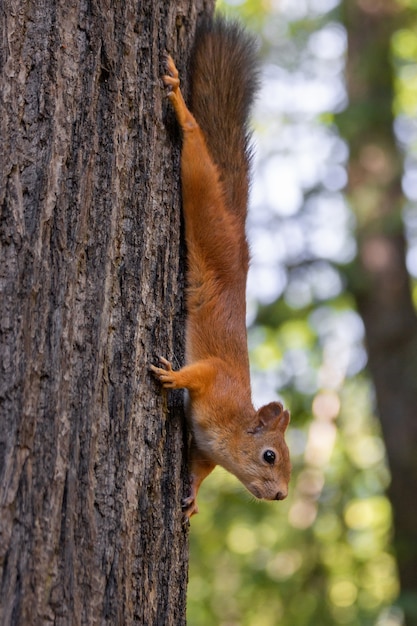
<point>332,294</point>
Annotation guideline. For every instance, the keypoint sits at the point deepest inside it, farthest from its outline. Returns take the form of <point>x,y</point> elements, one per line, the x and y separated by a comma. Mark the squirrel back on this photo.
<point>224,79</point>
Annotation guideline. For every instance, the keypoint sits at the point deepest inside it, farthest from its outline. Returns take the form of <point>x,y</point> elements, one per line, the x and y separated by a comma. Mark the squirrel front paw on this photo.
<point>189,506</point>
<point>166,374</point>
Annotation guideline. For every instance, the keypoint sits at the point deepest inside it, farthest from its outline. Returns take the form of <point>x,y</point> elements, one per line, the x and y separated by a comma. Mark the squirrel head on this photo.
<point>264,465</point>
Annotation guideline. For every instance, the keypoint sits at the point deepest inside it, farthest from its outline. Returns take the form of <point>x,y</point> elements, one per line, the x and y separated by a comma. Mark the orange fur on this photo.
<point>226,429</point>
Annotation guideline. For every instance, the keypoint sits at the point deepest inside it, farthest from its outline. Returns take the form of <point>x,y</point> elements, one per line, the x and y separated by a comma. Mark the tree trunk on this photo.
<point>382,287</point>
<point>91,458</point>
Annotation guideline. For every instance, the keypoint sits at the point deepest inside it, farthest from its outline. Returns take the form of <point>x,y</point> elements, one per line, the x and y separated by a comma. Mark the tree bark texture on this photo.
<point>382,284</point>
<point>92,461</point>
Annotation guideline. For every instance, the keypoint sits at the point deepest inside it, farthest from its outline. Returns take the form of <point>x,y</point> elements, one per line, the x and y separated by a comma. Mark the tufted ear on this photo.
<point>271,417</point>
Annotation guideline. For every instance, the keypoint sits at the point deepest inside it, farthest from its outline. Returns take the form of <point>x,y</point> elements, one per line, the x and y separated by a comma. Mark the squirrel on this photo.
<point>225,428</point>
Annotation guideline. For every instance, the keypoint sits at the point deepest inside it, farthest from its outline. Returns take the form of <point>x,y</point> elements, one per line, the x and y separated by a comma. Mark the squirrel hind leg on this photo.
<point>172,78</point>
<point>185,118</point>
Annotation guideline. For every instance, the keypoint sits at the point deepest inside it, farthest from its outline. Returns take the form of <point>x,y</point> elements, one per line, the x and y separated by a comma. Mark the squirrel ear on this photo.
<point>271,417</point>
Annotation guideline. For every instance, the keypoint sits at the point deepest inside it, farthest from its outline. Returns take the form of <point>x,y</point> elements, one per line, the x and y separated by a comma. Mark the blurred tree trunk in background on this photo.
<point>91,461</point>
<point>381,283</point>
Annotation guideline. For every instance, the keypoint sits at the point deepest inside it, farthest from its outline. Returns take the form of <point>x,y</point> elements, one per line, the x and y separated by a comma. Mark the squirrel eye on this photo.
<point>269,457</point>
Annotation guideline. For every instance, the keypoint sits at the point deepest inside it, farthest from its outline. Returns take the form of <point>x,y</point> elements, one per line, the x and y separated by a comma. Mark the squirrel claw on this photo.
<point>171,79</point>
<point>165,374</point>
<point>171,67</point>
<point>166,363</point>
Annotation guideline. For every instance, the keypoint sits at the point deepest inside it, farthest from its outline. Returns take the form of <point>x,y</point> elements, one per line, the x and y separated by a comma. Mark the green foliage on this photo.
<point>320,557</point>
<point>253,12</point>
<point>404,48</point>
<point>323,556</point>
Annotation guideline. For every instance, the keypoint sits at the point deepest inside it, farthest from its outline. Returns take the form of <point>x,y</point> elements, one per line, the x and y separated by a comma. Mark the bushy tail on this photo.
<point>224,79</point>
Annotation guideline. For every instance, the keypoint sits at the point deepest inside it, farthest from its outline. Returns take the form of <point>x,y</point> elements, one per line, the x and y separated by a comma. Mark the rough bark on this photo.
<point>92,466</point>
<point>382,284</point>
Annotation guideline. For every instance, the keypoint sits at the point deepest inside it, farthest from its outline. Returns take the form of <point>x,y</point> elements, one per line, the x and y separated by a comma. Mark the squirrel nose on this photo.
<point>281,495</point>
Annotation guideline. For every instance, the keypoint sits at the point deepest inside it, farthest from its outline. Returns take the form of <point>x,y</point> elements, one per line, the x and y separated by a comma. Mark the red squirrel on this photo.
<point>225,428</point>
